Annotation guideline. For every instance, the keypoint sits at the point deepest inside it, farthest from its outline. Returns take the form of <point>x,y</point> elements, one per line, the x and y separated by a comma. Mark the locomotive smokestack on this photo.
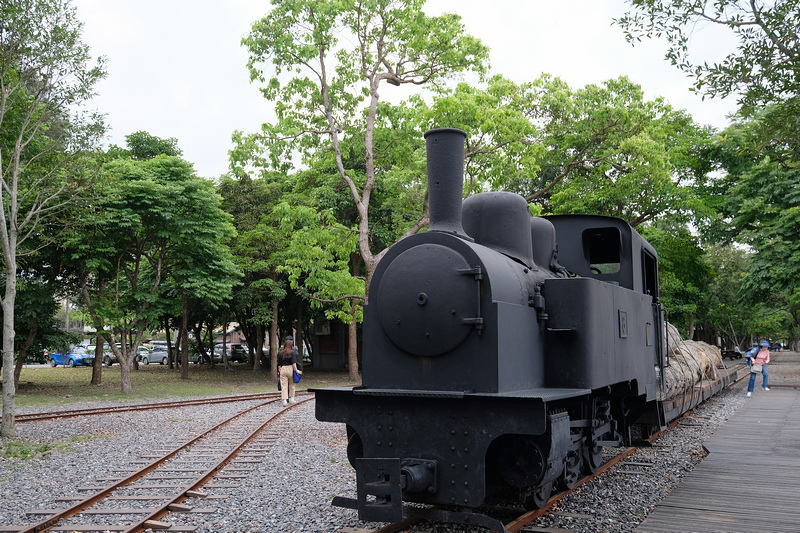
<point>445,152</point>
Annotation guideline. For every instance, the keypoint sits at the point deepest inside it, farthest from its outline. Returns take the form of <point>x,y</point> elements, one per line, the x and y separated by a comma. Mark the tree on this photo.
<point>765,67</point>
<point>730,314</point>
<point>142,145</point>
<point>255,301</point>
<point>318,261</point>
<point>45,76</point>
<point>683,273</point>
<point>199,264</point>
<point>392,41</point>
<point>600,149</point>
<point>156,228</point>
<point>766,201</point>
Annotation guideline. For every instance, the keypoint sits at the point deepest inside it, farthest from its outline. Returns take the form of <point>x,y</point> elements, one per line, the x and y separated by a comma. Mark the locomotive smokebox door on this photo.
<point>430,313</point>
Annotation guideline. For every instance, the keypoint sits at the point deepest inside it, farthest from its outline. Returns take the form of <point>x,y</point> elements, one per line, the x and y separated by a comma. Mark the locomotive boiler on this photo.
<point>501,353</point>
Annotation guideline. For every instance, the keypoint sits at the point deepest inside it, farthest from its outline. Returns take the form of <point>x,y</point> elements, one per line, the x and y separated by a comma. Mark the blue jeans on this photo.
<point>765,381</point>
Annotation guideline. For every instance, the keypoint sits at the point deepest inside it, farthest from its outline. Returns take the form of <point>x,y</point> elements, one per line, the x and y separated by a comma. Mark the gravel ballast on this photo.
<point>291,488</point>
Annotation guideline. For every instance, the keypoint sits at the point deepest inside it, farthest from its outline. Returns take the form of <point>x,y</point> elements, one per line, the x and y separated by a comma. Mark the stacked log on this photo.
<point>689,362</point>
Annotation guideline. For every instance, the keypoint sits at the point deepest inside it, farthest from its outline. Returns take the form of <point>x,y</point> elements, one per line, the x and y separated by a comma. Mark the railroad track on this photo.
<point>54,415</point>
<point>160,486</point>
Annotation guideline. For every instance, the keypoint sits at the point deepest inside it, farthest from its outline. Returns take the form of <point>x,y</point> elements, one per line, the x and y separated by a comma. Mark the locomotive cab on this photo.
<point>596,322</point>
<point>607,249</point>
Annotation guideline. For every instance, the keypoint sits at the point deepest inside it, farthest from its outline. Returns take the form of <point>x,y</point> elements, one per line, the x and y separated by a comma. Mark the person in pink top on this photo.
<point>761,358</point>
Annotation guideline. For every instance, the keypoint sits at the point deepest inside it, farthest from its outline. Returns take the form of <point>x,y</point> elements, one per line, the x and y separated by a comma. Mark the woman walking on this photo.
<point>287,364</point>
<point>759,363</point>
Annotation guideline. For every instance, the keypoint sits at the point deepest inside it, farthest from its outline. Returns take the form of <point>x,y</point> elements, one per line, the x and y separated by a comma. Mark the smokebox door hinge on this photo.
<point>476,321</point>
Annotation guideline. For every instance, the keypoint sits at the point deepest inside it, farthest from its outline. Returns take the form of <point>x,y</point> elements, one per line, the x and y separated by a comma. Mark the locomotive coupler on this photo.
<point>418,475</point>
<point>380,483</point>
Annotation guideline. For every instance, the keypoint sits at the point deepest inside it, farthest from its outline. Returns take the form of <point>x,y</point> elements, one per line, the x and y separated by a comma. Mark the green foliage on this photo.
<point>142,145</point>
<point>683,273</point>
<point>728,311</point>
<point>765,66</point>
<point>758,201</point>
<point>250,202</point>
<point>36,316</point>
<point>634,155</point>
<point>602,149</point>
<point>319,83</point>
<point>317,260</point>
<point>153,232</point>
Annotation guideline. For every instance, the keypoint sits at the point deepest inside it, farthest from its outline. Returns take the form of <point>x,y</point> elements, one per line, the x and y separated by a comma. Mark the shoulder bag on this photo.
<point>755,369</point>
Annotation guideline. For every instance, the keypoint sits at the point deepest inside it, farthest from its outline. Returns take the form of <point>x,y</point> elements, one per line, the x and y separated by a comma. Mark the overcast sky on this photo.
<point>176,67</point>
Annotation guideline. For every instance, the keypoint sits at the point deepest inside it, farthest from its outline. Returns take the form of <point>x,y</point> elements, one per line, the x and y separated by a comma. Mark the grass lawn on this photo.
<point>58,386</point>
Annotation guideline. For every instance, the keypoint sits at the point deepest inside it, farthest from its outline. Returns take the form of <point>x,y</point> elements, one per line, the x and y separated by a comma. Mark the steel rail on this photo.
<point>208,474</point>
<point>77,508</point>
<point>35,417</point>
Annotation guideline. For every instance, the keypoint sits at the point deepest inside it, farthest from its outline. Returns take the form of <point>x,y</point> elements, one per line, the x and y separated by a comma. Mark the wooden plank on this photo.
<point>753,456</point>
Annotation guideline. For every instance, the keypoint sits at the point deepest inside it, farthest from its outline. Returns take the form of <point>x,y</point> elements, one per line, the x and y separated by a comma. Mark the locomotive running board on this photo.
<point>437,515</point>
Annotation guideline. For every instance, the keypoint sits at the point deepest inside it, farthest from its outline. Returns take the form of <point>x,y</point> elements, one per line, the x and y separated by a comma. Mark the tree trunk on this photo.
<point>210,328</point>
<point>125,368</point>
<point>352,351</point>
<point>256,350</point>
<point>352,328</point>
<point>197,329</point>
<point>225,344</point>
<point>170,349</point>
<point>298,334</point>
<point>690,329</point>
<point>184,336</point>
<point>273,342</point>
<point>23,352</point>
<point>99,326</point>
<point>126,355</point>
<point>8,427</point>
<point>97,367</point>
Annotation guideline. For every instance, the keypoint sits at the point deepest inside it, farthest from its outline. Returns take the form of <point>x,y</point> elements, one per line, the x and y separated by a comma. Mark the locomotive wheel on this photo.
<point>521,463</point>
<point>572,470</point>
<point>592,458</point>
<point>538,497</point>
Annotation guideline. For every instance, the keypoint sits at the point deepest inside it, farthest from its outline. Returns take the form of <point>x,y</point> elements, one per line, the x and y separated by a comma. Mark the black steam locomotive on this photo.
<point>496,362</point>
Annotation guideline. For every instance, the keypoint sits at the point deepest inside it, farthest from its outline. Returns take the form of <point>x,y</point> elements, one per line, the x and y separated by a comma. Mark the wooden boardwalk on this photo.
<point>750,481</point>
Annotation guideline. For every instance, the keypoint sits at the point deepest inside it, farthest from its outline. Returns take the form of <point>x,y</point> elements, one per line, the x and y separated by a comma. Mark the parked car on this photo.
<point>194,357</point>
<point>157,355</point>
<point>238,353</point>
<point>109,358</point>
<point>74,356</point>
